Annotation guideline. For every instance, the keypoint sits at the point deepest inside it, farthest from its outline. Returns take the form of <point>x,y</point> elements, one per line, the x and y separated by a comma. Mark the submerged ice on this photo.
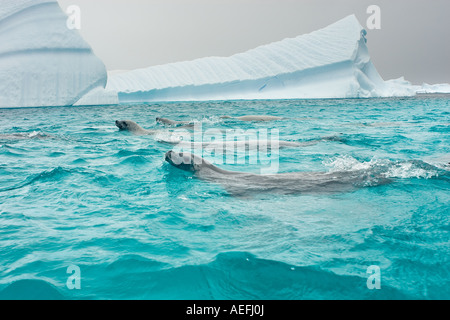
<point>333,62</point>
<point>43,62</point>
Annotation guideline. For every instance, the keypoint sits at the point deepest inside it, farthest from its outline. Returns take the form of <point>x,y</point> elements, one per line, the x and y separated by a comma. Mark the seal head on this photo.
<point>184,161</point>
<point>128,125</point>
<point>122,124</point>
<point>164,121</point>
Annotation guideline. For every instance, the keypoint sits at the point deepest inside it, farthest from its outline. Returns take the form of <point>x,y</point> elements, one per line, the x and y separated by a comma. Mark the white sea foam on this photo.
<point>410,170</point>
<point>348,163</point>
<point>383,167</point>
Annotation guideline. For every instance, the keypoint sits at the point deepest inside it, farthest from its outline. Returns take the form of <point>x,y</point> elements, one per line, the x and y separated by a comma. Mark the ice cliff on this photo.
<point>43,62</point>
<point>333,62</point>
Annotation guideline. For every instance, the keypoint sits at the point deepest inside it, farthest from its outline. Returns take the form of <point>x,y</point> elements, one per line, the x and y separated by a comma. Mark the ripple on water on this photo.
<point>141,229</point>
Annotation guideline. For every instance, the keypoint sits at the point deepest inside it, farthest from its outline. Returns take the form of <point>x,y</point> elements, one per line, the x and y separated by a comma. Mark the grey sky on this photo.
<point>414,40</point>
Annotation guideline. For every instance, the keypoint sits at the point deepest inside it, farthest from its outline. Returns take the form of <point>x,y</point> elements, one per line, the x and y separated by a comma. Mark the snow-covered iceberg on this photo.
<point>43,62</point>
<point>333,62</point>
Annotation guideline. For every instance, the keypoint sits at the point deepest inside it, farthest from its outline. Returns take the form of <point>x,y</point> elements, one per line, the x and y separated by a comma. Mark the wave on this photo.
<point>135,160</point>
<point>386,168</point>
<point>48,175</point>
<point>60,173</point>
<point>139,152</point>
<point>372,141</point>
<point>31,289</point>
<point>238,276</point>
<point>80,161</point>
<point>229,276</point>
<point>8,150</point>
<point>56,154</point>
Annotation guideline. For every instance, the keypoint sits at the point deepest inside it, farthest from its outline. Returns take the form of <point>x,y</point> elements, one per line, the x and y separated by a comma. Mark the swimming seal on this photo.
<point>133,127</point>
<point>242,183</point>
<point>173,123</point>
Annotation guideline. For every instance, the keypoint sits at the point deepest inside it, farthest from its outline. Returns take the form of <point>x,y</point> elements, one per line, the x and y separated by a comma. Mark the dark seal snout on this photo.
<point>120,125</point>
<point>168,156</point>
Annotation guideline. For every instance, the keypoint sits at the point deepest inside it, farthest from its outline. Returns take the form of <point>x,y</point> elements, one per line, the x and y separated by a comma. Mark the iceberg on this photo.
<point>43,62</point>
<point>333,62</point>
<point>433,88</point>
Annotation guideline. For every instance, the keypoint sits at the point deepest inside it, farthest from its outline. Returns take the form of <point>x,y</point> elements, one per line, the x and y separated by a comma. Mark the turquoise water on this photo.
<point>77,191</point>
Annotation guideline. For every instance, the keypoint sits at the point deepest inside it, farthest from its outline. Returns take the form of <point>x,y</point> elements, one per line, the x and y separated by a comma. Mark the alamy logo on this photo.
<point>232,146</point>
<point>374,280</point>
<point>74,281</point>
<point>74,19</point>
<point>374,20</point>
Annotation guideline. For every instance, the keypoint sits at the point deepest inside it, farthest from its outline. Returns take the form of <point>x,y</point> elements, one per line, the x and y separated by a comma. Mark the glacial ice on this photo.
<point>434,88</point>
<point>43,62</point>
<point>333,62</point>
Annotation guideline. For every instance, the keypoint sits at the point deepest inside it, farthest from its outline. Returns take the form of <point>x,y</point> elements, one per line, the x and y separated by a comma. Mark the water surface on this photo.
<point>74,190</point>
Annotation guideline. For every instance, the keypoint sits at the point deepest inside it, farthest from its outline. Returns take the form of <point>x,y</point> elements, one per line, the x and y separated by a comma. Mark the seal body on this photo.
<point>173,123</point>
<point>133,127</point>
<point>243,183</point>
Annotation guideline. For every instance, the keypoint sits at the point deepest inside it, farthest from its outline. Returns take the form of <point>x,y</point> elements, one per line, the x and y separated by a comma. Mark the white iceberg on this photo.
<point>333,62</point>
<point>433,88</point>
<point>43,62</point>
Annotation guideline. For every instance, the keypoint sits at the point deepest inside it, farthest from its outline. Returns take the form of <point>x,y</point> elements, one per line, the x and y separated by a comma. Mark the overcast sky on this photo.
<point>414,40</point>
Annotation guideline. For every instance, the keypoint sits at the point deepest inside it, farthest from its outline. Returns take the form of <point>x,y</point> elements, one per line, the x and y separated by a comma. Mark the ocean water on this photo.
<point>76,191</point>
